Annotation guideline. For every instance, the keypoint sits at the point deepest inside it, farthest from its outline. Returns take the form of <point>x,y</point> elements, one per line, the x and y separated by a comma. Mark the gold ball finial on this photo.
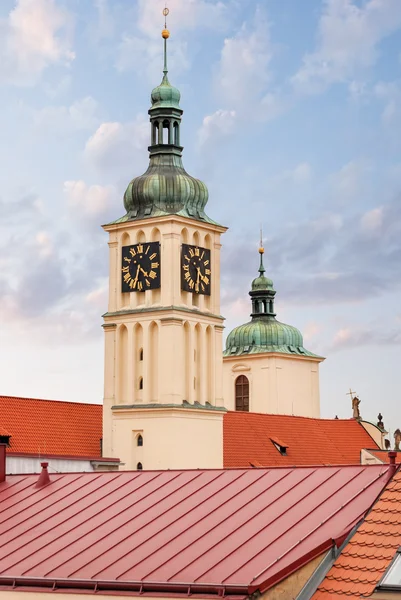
<point>261,250</point>
<point>165,34</point>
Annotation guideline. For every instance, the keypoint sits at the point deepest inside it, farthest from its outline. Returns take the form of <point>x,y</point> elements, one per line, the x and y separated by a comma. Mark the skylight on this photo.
<point>393,576</point>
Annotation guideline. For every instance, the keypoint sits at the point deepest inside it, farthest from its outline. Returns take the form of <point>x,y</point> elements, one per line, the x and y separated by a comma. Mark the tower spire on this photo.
<point>165,36</point>
<point>165,188</point>
<point>261,252</point>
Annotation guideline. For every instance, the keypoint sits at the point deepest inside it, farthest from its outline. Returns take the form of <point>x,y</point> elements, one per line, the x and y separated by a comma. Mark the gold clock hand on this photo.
<point>197,279</point>
<point>136,276</point>
<point>144,272</point>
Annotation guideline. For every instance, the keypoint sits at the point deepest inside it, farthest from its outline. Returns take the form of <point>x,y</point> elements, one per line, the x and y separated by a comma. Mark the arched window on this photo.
<point>176,134</point>
<point>141,383</point>
<point>166,126</point>
<point>141,354</point>
<point>139,440</point>
<point>139,466</point>
<point>242,393</point>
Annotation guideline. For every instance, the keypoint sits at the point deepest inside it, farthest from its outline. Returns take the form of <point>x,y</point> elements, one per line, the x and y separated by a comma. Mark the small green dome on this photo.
<point>264,335</point>
<point>165,95</point>
<point>262,283</point>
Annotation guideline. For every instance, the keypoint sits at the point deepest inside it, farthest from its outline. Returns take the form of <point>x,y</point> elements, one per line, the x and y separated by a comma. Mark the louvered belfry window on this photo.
<point>242,393</point>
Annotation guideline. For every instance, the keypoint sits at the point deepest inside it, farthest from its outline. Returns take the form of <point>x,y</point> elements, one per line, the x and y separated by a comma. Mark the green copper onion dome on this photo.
<point>165,188</point>
<point>165,95</point>
<point>264,333</point>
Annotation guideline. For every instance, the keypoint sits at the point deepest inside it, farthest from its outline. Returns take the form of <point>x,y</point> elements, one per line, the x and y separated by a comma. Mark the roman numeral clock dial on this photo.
<point>195,269</point>
<point>140,269</point>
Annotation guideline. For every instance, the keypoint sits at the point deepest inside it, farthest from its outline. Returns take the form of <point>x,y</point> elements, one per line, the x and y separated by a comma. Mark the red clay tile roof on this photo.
<point>248,439</point>
<point>41,427</point>
<point>370,551</point>
<point>190,532</point>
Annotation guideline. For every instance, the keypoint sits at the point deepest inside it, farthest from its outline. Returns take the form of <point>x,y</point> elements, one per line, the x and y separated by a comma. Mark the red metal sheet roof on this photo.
<point>248,440</point>
<point>233,531</point>
<point>361,565</point>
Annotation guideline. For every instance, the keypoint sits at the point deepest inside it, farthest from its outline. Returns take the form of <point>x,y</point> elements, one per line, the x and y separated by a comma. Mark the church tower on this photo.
<point>163,398</point>
<point>266,367</point>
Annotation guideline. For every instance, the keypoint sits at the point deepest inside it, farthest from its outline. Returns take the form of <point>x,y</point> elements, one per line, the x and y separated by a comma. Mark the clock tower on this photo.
<point>163,399</point>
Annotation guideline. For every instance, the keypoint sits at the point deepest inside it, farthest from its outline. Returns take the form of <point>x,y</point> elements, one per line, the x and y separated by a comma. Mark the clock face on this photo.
<point>195,269</point>
<point>140,269</point>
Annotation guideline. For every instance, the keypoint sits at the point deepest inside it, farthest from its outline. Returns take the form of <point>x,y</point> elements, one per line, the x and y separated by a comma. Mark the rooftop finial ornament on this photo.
<point>165,36</point>
<point>165,32</point>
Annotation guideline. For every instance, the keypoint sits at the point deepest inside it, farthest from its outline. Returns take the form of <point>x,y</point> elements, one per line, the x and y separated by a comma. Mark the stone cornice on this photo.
<point>133,224</point>
<point>161,309</point>
<point>246,357</point>
<point>176,407</point>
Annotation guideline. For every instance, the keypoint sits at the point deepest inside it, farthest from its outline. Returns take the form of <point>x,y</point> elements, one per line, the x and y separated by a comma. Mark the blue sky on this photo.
<point>292,114</point>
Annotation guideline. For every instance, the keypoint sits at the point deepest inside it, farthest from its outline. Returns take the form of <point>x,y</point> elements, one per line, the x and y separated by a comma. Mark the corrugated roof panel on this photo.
<point>369,553</point>
<point>238,528</point>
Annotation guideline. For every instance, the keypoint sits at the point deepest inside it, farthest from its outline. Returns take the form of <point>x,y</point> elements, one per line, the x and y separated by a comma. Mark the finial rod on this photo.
<point>261,252</point>
<point>165,36</point>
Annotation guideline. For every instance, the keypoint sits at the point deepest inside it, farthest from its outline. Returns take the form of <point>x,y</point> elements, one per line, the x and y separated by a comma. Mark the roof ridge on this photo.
<point>5,396</point>
<point>319,419</point>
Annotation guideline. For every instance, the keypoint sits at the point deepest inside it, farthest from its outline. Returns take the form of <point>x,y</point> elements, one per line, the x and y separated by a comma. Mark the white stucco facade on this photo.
<point>57,464</point>
<point>278,383</point>
<point>163,350</point>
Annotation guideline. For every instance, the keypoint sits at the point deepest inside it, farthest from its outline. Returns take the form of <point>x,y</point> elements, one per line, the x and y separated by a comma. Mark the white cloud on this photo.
<point>104,28</point>
<point>372,221</point>
<point>98,297</point>
<point>89,201</point>
<point>44,244</point>
<point>242,81</point>
<point>347,183</point>
<point>348,40</point>
<point>390,94</point>
<point>311,331</point>
<point>81,115</point>
<point>35,35</point>
<point>244,65</point>
<point>302,173</point>
<point>220,123</point>
<point>116,145</point>
<point>143,51</point>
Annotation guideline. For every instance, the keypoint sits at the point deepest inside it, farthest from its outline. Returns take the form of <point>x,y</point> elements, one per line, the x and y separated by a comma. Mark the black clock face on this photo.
<point>195,269</point>
<point>140,269</point>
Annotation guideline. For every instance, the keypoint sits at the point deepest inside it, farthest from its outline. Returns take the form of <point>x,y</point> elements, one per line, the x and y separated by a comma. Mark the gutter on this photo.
<point>140,587</point>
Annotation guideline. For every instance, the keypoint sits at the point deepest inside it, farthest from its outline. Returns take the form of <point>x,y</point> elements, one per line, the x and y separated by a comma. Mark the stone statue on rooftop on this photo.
<point>397,439</point>
<point>355,408</point>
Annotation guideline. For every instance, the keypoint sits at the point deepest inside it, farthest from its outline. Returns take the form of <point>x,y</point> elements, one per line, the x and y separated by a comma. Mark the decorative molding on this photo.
<point>171,321</point>
<point>239,368</point>
<point>186,406</point>
<point>138,223</point>
<point>153,309</point>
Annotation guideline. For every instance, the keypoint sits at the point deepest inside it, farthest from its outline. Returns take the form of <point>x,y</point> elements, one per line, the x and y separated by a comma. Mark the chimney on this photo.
<point>44,478</point>
<point>4,442</point>
<point>393,467</point>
